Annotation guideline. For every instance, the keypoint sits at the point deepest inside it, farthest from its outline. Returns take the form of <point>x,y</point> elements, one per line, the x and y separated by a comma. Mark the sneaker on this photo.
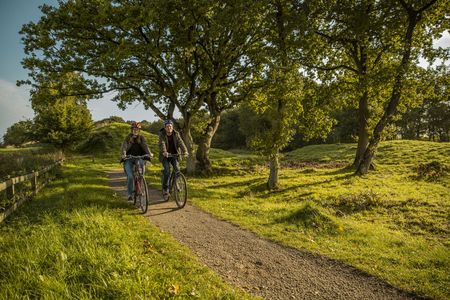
<point>130,198</point>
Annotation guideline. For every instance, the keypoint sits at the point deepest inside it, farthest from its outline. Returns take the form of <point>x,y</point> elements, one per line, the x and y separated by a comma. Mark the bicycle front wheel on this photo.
<point>143,196</point>
<point>180,190</point>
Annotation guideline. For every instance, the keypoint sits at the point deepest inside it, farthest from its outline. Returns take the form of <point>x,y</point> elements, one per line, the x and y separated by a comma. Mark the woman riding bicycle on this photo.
<point>170,142</point>
<point>136,145</point>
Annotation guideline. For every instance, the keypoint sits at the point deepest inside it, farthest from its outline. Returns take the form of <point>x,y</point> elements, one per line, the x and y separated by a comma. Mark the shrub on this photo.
<point>353,203</point>
<point>96,143</point>
<point>432,171</point>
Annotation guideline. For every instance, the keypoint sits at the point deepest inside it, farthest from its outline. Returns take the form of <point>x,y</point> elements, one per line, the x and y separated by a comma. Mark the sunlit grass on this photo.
<point>387,223</point>
<point>79,240</point>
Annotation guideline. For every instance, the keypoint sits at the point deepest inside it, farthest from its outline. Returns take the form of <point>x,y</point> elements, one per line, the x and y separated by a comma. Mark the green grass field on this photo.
<point>390,223</point>
<point>79,240</point>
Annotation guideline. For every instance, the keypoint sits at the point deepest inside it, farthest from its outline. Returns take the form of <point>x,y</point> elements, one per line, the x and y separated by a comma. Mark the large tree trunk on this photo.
<point>203,162</point>
<point>363,131</point>
<point>190,161</point>
<point>189,142</point>
<point>363,168</point>
<point>274,166</point>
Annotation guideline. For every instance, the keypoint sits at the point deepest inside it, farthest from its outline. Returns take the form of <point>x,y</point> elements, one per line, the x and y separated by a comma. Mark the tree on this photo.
<point>419,19</point>
<point>430,117</point>
<point>166,54</point>
<point>229,134</point>
<point>360,44</point>
<point>350,46</point>
<point>281,101</point>
<point>62,121</point>
<point>19,133</point>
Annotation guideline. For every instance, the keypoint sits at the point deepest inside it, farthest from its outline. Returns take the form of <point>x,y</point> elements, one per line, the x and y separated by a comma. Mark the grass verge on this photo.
<point>79,240</point>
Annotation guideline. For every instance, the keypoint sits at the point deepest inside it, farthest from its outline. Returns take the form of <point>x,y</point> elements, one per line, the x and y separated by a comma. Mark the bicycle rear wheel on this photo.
<point>180,190</point>
<point>143,196</point>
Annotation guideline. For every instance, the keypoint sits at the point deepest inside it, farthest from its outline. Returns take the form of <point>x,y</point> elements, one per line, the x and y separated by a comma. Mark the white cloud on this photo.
<point>14,105</point>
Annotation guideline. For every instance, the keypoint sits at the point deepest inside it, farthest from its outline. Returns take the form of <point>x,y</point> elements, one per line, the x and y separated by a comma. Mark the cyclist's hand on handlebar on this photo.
<point>166,154</point>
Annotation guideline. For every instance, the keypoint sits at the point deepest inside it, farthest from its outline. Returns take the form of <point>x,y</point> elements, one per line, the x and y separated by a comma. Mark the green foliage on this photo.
<point>80,240</point>
<point>277,107</point>
<point>429,117</point>
<point>230,135</point>
<point>19,133</point>
<point>63,123</point>
<point>60,119</point>
<point>155,126</point>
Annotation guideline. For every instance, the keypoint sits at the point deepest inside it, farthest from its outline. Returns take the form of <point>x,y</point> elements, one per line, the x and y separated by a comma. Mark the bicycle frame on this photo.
<point>177,186</point>
<point>140,185</point>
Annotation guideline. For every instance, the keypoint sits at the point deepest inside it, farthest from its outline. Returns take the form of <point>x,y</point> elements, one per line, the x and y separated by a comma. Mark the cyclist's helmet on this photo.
<point>136,125</point>
<point>167,122</point>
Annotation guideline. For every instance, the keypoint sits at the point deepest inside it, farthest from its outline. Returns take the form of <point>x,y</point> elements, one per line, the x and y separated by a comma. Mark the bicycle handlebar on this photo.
<point>176,155</point>
<point>136,157</point>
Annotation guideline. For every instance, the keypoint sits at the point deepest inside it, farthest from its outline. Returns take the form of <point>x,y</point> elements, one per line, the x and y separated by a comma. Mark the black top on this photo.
<point>171,149</point>
<point>135,149</point>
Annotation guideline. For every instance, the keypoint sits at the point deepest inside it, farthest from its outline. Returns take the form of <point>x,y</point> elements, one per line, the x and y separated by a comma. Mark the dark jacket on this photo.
<point>129,141</point>
<point>180,147</point>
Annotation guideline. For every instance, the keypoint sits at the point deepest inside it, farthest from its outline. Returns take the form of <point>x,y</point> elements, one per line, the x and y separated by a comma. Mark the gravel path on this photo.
<point>257,265</point>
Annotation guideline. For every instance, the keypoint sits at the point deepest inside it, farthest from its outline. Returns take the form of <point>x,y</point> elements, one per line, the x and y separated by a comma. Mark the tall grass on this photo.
<point>79,240</point>
<point>20,161</point>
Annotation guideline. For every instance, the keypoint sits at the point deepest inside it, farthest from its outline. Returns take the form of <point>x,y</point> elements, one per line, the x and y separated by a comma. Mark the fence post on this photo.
<point>11,190</point>
<point>34,185</point>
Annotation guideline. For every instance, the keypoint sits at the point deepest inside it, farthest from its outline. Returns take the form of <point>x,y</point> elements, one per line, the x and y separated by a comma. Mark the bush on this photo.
<point>432,171</point>
<point>96,143</point>
<point>353,203</point>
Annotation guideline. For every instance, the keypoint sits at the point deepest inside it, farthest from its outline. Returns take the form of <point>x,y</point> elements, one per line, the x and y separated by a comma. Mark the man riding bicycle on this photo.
<point>170,142</point>
<point>135,145</point>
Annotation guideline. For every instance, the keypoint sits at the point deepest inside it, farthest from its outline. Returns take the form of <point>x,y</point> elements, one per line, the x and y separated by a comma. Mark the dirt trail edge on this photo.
<point>257,265</point>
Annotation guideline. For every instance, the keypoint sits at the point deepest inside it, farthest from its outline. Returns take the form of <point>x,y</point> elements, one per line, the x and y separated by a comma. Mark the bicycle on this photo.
<point>140,194</point>
<point>177,186</point>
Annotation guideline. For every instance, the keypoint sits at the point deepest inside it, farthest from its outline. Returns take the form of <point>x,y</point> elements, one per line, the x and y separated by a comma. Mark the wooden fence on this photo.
<point>10,187</point>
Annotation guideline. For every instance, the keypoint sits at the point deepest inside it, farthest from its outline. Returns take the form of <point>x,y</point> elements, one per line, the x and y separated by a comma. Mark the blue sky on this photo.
<point>14,101</point>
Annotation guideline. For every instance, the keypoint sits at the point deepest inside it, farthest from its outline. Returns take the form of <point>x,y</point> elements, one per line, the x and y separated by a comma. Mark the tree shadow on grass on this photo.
<point>235,184</point>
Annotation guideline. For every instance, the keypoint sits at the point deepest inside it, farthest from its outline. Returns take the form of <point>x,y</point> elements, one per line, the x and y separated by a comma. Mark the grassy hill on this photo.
<point>107,139</point>
<point>404,152</point>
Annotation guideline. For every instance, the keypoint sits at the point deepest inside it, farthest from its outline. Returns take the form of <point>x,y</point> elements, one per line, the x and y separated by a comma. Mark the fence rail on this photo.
<point>9,187</point>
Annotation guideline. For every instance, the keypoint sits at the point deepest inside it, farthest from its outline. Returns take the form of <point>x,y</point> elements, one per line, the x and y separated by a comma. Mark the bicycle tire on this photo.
<point>135,182</point>
<point>144,196</point>
<point>180,190</point>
